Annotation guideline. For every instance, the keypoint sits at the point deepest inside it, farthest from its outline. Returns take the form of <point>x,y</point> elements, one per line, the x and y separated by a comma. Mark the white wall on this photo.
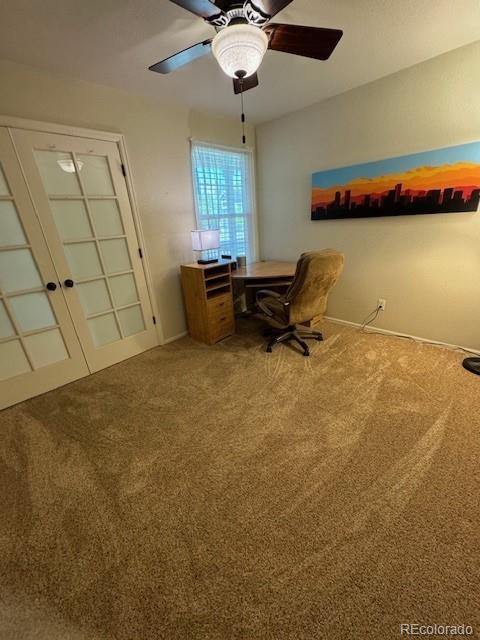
<point>157,138</point>
<point>427,266</point>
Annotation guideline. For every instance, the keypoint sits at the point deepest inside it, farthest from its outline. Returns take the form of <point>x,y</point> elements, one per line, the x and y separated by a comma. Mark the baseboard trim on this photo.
<point>386,332</point>
<point>173,338</point>
<point>404,335</point>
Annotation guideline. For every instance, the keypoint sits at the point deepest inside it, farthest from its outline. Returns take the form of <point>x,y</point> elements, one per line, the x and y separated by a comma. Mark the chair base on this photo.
<point>292,333</point>
<point>472,365</point>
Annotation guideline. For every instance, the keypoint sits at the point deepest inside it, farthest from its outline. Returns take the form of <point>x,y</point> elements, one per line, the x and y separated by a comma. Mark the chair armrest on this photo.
<point>266,293</point>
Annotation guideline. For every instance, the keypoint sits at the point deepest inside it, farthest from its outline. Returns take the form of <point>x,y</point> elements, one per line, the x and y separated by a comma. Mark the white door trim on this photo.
<point>12,122</point>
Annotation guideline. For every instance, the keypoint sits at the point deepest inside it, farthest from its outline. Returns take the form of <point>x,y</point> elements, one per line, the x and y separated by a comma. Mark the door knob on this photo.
<point>51,286</point>
<point>68,283</point>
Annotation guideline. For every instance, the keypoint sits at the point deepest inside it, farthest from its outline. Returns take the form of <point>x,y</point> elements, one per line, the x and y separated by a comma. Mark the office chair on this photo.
<point>305,299</point>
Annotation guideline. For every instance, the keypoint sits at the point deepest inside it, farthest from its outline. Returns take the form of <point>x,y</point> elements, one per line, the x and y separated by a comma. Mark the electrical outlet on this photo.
<point>382,304</point>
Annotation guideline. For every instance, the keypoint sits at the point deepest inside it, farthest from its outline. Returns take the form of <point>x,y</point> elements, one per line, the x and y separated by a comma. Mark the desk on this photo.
<point>260,275</point>
<point>263,275</point>
<point>264,270</point>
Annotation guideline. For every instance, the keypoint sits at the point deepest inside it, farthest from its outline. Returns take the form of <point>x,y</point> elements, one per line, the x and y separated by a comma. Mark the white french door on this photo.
<point>73,290</point>
<point>80,195</point>
<point>39,348</point>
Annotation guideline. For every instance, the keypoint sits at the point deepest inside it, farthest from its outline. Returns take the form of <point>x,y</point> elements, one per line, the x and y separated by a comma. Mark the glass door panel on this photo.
<point>33,311</point>
<point>4,190</point>
<point>123,290</point>
<point>58,173</point>
<point>81,196</point>
<point>115,255</point>
<point>17,269</point>
<point>13,362</point>
<point>94,296</point>
<point>131,320</point>
<point>11,230</point>
<point>39,349</point>
<point>104,329</point>
<point>83,260</point>
<point>6,327</point>
<point>46,348</point>
<point>96,177</point>
<point>106,217</point>
<point>71,219</point>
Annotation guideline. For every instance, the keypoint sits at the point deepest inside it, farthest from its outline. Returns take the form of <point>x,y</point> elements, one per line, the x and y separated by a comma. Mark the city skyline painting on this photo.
<point>441,181</point>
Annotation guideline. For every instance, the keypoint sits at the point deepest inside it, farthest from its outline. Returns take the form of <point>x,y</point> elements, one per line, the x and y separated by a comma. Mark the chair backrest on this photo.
<point>316,274</point>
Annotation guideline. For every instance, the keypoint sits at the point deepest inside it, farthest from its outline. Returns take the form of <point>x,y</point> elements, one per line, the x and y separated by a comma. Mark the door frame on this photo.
<point>12,122</point>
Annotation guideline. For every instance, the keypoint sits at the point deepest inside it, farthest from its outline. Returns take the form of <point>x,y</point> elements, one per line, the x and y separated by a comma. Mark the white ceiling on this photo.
<point>112,42</point>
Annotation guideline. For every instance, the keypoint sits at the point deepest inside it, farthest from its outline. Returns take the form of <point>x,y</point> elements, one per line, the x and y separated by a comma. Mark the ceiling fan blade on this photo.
<point>271,7</point>
<point>311,42</point>
<point>182,57</point>
<point>248,83</point>
<point>203,8</point>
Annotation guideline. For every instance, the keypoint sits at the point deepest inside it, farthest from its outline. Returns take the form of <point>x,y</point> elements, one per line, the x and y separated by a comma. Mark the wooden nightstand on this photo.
<point>207,291</point>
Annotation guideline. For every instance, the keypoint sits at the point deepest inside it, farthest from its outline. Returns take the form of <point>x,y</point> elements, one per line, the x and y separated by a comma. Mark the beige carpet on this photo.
<point>219,492</point>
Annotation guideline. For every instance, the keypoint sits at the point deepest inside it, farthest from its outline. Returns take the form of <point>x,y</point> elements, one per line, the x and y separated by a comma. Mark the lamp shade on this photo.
<point>240,48</point>
<point>204,239</point>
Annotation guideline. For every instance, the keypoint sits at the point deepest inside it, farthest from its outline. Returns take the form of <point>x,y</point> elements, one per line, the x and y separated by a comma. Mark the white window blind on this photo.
<point>222,185</point>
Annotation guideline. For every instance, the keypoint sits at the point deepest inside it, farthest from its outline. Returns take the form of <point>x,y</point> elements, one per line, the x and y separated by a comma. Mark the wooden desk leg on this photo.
<point>311,323</point>
<point>239,296</point>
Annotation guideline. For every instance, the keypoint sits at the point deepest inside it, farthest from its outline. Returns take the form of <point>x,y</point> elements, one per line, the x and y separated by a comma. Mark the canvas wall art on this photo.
<point>442,181</point>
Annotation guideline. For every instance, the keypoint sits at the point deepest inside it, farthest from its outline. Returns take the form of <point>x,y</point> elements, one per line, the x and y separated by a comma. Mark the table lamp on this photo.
<point>205,240</point>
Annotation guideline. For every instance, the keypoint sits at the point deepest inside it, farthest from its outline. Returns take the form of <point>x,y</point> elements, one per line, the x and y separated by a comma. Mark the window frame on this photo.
<point>250,152</point>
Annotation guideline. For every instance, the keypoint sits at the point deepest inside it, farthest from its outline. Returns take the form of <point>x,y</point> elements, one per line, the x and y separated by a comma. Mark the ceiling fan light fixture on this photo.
<point>67,165</point>
<point>240,48</point>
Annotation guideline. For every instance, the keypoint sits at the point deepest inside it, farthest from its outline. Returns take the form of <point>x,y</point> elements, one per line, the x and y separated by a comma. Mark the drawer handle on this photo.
<point>224,318</point>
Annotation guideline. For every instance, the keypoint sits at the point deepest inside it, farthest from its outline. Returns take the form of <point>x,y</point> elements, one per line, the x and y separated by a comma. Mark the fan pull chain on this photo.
<point>244,139</point>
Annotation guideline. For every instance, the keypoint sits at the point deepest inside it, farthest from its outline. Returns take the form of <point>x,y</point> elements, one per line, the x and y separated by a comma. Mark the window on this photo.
<point>222,186</point>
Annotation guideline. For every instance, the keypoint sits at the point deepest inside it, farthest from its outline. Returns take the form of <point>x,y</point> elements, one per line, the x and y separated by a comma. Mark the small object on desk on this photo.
<point>205,240</point>
<point>233,263</point>
<point>241,261</point>
<point>207,291</point>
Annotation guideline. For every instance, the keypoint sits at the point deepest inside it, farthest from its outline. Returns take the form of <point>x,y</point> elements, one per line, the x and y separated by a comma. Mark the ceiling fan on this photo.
<point>244,33</point>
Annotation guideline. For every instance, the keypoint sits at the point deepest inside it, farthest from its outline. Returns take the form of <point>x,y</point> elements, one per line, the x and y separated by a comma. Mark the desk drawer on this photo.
<point>221,329</point>
<point>220,306</point>
<point>220,318</point>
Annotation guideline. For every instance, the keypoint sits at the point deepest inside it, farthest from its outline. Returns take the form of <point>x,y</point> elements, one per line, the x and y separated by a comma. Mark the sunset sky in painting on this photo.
<point>457,167</point>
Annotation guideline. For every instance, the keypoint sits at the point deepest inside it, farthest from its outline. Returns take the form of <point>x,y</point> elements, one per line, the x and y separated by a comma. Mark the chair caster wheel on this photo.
<point>319,338</point>
<point>268,349</point>
<point>306,353</point>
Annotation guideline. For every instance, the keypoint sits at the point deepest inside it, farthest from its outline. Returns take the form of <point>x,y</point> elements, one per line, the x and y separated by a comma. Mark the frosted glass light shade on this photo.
<point>202,240</point>
<point>240,47</point>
